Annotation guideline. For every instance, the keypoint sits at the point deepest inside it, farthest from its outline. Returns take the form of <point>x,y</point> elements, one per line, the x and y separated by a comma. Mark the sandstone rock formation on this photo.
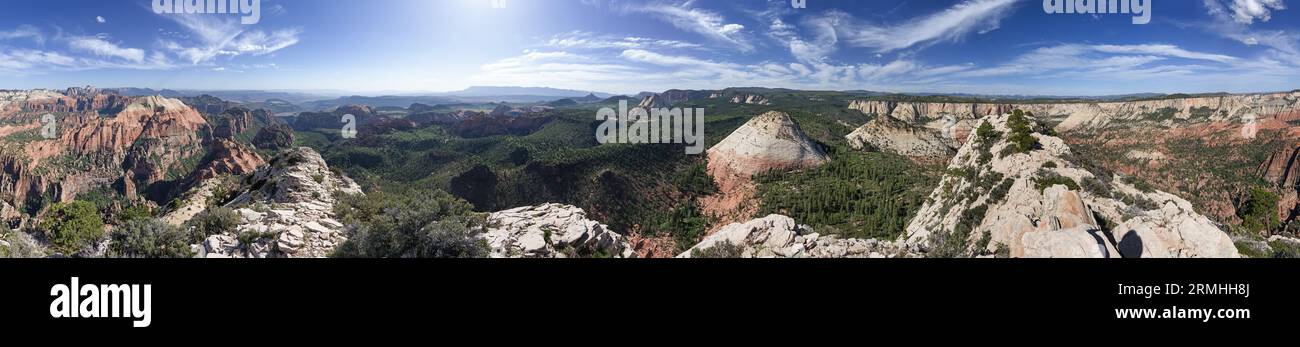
<point>288,211</point>
<point>1093,114</point>
<point>771,141</point>
<point>750,99</point>
<point>1036,209</point>
<point>895,136</point>
<point>778,236</point>
<point>670,98</point>
<point>552,231</point>
<point>100,139</point>
<point>654,101</point>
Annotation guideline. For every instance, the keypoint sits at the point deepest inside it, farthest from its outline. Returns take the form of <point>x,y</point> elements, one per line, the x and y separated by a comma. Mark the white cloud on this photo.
<point>644,56</point>
<point>707,23</point>
<point>214,36</point>
<point>98,46</point>
<point>26,59</point>
<point>1246,11</point>
<point>1104,62</point>
<point>23,32</point>
<point>588,40</point>
<point>100,20</point>
<point>82,53</point>
<point>1236,23</point>
<point>952,24</point>
<point>1163,50</point>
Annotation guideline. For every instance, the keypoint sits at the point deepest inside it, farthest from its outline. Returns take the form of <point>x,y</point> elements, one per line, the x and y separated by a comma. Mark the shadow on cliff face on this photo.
<point>478,187</point>
<point>1131,245</point>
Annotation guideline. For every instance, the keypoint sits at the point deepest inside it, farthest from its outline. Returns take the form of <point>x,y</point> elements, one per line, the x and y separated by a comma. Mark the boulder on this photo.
<point>552,231</point>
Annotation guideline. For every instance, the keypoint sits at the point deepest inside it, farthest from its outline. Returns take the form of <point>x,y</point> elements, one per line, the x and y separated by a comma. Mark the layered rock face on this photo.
<point>896,136</point>
<point>1036,209</point>
<point>552,231</point>
<point>654,101</point>
<point>771,141</point>
<point>778,236</point>
<point>101,138</point>
<point>287,212</point>
<point>226,157</point>
<point>750,99</point>
<point>1165,142</point>
<point>671,97</point>
<point>1213,161</point>
<point>1092,114</point>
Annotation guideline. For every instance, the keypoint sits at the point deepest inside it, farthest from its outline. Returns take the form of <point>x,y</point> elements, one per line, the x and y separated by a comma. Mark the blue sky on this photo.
<point>624,46</point>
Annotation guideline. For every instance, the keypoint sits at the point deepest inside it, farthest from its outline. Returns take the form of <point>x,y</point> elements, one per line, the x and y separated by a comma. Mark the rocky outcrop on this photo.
<point>671,97</point>
<point>1092,115</point>
<point>1075,115</point>
<point>287,211</point>
<point>778,236</point>
<point>232,122</point>
<point>895,136</point>
<point>1040,204</point>
<point>552,231</point>
<point>226,157</point>
<point>654,101</point>
<point>275,136</point>
<point>771,141</point>
<point>750,99</point>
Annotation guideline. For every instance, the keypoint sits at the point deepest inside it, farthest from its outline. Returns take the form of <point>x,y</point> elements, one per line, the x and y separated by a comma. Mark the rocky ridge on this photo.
<point>287,211</point>
<point>1074,115</point>
<point>896,136</point>
<point>552,231</point>
<point>1040,204</point>
<point>778,236</point>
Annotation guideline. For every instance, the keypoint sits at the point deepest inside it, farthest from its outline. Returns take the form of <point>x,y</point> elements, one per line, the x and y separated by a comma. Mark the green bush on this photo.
<point>986,134</point>
<point>1022,138</point>
<point>422,223</point>
<point>999,193</point>
<point>149,239</point>
<point>722,250</point>
<point>212,221</point>
<point>1259,213</point>
<point>1097,187</point>
<point>1047,179</point>
<point>21,245</point>
<point>72,227</point>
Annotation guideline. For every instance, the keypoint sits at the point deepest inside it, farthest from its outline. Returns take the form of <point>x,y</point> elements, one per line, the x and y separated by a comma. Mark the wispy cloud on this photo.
<point>951,24</point>
<point>1235,24</point>
<point>685,16</point>
<point>1105,62</point>
<point>214,36</point>
<point>100,47</point>
<point>75,53</point>
<point>589,40</point>
<point>23,32</point>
